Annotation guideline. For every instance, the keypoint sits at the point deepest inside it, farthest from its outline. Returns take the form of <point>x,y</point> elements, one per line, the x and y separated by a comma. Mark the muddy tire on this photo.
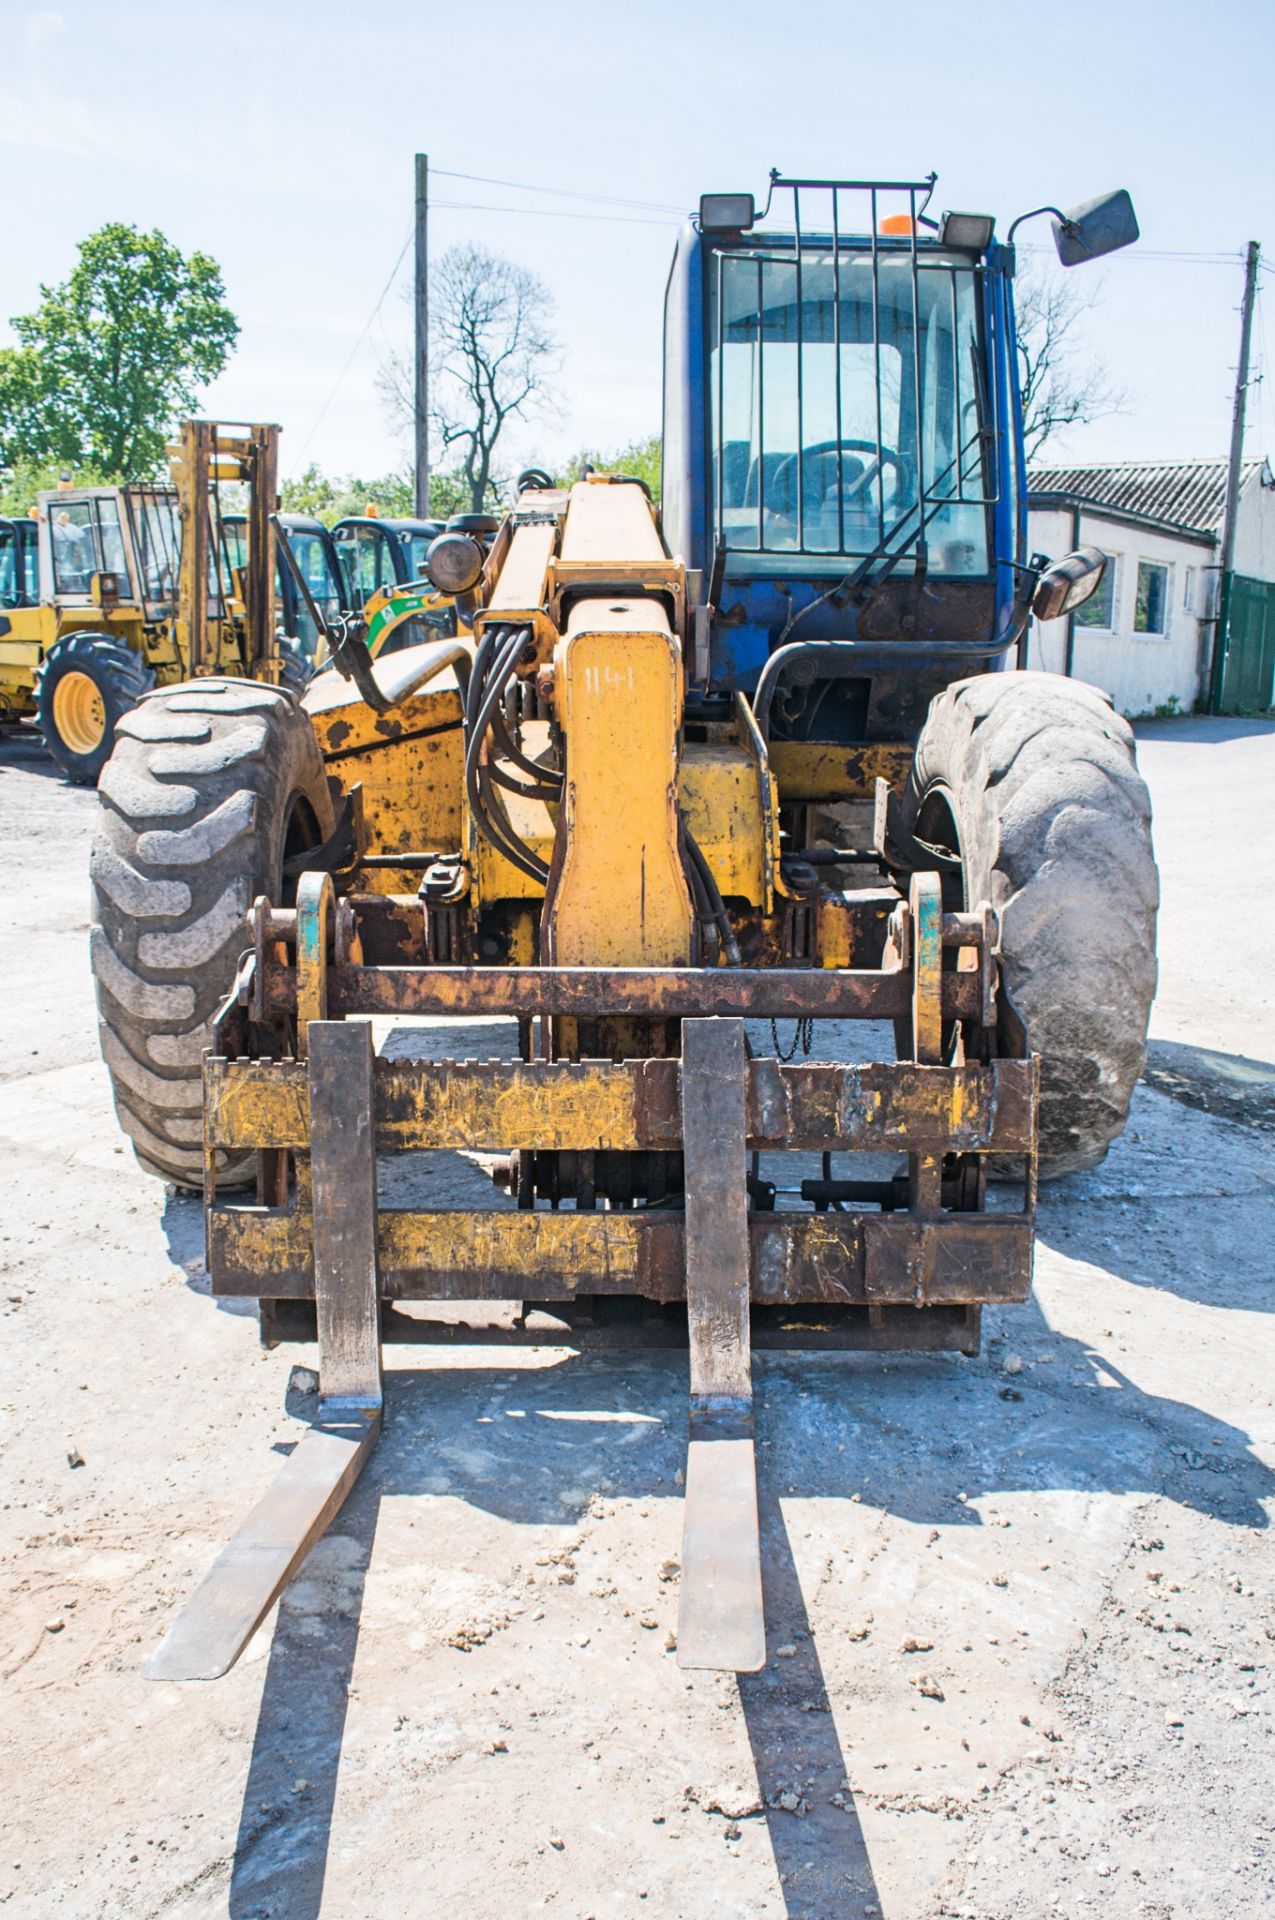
<point>1031,779</point>
<point>212,785</point>
<point>84,686</point>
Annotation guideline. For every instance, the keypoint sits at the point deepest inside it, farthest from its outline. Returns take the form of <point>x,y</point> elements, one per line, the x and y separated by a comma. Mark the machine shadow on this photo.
<point>923,1437</point>
<point>1229,1085</point>
<point>281,1848</point>
<point>820,1854</point>
<point>21,748</point>
<point>1175,1151</point>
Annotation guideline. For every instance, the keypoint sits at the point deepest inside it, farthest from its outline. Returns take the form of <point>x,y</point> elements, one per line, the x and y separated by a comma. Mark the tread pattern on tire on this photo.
<point>195,803</point>
<point>121,676</point>
<point>1055,826</point>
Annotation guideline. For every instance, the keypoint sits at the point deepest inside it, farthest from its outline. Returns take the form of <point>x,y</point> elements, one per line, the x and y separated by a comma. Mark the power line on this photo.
<point>1136,252</point>
<point>562,193</point>
<point>549,213</point>
<point>367,328</point>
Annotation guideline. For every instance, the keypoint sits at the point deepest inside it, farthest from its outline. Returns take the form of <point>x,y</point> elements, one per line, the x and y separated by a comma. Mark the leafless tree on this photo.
<point>1063,384</point>
<point>491,354</point>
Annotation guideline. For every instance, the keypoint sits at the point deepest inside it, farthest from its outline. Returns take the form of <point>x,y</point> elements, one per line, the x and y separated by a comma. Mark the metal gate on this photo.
<point>1247,679</point>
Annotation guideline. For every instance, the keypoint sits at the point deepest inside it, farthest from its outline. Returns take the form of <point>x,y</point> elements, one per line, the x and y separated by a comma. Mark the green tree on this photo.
<point>112,358</point>
<point>490,353</point>
<point>330,499</point>
<point>642,459</point>
<point>20,483</point>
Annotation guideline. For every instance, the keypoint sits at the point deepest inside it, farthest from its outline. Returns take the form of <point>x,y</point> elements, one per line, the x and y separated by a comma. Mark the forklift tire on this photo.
<point>1028,784</point>
<point>212,786</point>
<point>296,670</point>
<point>84,686</point>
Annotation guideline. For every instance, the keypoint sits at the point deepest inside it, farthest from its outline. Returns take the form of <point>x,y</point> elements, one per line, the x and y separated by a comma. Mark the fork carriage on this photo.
<point>641,1217</point>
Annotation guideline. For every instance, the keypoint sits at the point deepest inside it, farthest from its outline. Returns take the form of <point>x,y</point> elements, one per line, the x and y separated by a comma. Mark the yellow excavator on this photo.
<point>682,786</point>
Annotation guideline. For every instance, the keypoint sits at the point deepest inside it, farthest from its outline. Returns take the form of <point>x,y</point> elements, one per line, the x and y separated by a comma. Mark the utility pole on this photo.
<point>1226,559</point>
<point>422,337</point>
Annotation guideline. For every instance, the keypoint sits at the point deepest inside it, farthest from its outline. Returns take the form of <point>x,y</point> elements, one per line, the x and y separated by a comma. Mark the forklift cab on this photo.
<point>312,546</point>
<point>413,539</point>
<point>19,564</point>
<point>370,556</point>
<point>843,448</point>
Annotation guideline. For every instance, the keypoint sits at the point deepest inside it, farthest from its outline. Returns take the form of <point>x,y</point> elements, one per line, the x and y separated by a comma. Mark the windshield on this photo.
<point>86,539</point>
<point>415,546</point>
<point>10,585</point>
<point>846,406</point>
<point>367,557</point>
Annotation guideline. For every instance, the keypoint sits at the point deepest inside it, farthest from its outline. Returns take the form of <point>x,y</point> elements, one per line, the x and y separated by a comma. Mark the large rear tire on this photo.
<point>1028,783</point>
<point>212,785</point>
<point>84,686</point>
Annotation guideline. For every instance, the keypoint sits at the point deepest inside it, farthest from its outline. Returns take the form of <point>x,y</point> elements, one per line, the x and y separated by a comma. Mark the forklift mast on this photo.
<point>207,455</point>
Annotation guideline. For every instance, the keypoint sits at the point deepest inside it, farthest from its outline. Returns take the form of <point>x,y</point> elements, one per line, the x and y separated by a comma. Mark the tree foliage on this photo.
<point>641,458</point>
<point>112,358</point>
<point>1063,385</point>
<point>330,499</point>
<point>490,353</point>
<point>20,483</point>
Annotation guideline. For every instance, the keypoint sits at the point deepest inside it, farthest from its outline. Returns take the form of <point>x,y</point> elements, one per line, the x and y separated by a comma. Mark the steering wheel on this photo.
<point>824,449</point>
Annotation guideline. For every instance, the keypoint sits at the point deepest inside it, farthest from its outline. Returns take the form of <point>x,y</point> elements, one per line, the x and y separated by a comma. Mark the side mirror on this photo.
<point>1067,584</point>
<point>1097,227</point>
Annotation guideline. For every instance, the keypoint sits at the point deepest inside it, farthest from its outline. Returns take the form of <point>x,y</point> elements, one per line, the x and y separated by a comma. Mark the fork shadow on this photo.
<point>281,1851</point>
<point>922,1426</point>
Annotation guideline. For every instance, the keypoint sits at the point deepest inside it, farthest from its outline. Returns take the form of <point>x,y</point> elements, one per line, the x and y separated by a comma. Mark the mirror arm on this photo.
<point>1066,225</point>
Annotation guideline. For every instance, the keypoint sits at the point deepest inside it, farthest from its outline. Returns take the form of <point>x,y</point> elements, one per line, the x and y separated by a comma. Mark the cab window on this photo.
<point>9,587</point>
<point>111,542</point>
<point>74,546</point>
<point>313,557</point>
<point>367,559</point>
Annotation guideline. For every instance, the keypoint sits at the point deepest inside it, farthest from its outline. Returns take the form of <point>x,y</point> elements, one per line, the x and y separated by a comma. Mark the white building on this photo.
<point>1147,636</point>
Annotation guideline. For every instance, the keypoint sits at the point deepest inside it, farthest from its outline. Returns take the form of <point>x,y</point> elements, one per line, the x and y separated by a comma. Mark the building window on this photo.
<point>1188,591</point>
<point>1153,598</point>
<point>1100,608</point>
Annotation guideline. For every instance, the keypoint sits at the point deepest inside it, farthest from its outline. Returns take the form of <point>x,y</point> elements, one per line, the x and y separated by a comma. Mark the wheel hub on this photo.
<point>79,713</point>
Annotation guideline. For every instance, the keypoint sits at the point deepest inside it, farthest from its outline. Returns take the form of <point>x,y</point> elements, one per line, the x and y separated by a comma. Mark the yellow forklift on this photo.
<point>130,594</point>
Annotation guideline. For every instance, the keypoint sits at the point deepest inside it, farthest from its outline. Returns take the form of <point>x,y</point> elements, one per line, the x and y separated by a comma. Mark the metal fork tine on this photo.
<point>721,1621</point>
<point>249,1574</point>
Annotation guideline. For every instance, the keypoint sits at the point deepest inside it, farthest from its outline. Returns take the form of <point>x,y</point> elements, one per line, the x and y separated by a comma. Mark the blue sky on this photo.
<point>279,138</point>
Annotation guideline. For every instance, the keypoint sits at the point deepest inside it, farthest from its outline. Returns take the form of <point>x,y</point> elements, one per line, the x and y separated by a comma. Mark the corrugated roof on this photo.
<point>1186,493</point>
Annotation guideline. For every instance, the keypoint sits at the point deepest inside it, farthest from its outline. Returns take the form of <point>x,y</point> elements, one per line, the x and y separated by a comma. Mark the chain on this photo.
<point>803,1038</point>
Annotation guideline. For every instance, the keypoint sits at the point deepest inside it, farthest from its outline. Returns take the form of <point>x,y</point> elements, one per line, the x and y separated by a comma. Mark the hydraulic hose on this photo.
<point>719,918</point>
<point>839,659</point>
<point>489,814</point>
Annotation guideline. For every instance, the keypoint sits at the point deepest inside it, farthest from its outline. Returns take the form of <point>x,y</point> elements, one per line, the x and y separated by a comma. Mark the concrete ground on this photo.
<point>1019,1607</point>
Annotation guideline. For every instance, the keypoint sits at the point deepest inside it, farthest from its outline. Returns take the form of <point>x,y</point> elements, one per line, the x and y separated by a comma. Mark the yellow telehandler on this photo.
<point>677,780</point>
